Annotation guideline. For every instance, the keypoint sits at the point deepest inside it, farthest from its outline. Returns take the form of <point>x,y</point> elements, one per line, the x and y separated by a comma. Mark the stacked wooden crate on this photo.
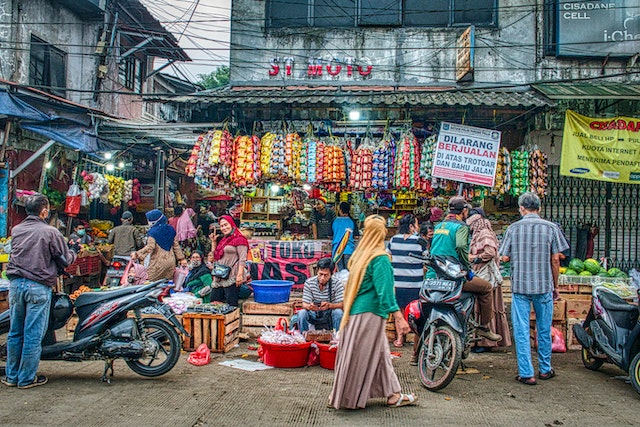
<point>255,316</point>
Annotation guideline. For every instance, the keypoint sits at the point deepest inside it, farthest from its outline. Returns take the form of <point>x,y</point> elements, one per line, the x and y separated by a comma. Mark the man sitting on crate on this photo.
<point>322,299</point>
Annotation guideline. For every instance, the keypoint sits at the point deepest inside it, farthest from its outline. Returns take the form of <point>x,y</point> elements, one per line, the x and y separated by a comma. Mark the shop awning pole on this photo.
<point>31,159</point>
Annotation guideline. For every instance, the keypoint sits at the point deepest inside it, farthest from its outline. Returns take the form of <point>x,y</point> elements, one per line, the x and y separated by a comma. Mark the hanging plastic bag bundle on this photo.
<point>73,200</point>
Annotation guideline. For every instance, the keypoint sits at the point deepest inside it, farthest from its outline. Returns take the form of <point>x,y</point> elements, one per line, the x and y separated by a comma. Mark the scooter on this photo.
<point>444,319</point>
<point>149,346</point>
<point>115,271</point>
<point>611,333</point>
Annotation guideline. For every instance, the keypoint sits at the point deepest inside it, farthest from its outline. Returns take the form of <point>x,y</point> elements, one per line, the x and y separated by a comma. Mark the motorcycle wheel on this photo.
<point>164,337</point>
<point>634,372</point>
<point>438,368</point>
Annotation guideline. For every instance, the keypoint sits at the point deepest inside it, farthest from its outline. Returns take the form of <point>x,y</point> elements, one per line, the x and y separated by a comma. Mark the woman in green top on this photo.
<point>199,279</point>
<point>363,364</point>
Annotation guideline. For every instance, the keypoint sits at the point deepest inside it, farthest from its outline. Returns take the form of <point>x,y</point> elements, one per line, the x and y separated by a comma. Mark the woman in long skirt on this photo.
<point>363,365</point>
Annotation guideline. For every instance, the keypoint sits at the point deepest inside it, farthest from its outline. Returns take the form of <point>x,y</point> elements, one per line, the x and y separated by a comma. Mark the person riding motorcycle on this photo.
<point>451,238</point>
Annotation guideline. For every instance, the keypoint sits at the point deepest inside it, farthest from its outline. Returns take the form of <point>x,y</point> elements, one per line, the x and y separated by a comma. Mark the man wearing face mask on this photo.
<point>79,235</point>
<point>38,252</point>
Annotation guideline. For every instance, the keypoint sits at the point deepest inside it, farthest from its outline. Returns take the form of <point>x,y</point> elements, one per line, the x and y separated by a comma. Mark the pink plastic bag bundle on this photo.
<point>200,357</point>
<point>179,276</point>
<point>558,343</point>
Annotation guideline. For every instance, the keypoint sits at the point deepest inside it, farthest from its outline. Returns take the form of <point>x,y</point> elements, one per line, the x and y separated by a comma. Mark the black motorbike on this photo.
<point>611,333</point>
<point>444,319</point>
<point>149,346</point>
<point>115,271</point>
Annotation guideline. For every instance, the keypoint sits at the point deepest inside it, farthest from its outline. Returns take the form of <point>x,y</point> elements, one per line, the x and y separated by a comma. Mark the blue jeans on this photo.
<point>520,311</point>
<point>30,303</point>
<point>307,316</point>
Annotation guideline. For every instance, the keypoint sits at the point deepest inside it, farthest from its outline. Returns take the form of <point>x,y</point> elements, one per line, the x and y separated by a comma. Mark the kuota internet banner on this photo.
<point>605,149</point>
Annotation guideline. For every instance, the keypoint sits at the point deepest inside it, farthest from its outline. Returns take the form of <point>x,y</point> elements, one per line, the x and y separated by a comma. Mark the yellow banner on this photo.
<point>605,149</point>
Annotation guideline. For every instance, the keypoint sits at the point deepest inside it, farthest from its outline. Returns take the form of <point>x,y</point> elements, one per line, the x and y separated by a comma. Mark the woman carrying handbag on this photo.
<point>230,258</point>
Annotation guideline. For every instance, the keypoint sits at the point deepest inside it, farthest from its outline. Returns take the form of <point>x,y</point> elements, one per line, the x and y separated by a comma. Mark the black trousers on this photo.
<point>228,295</point>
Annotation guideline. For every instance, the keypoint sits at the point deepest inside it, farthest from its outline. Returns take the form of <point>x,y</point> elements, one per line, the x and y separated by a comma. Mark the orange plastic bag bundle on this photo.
<point>200,357</point>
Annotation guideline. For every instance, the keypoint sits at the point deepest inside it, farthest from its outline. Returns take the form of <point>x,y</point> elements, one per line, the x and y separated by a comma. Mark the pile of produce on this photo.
<point>82,289</point>
<point>591,267</point>
<point>116,190</point>
<point>96,185</point>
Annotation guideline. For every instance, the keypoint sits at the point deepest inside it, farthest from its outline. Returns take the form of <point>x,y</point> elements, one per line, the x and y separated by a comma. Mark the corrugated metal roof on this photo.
<point>389,96</point>
<point>589,90</point>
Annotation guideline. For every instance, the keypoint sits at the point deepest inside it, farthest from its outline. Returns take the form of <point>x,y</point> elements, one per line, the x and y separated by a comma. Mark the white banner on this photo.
<point>467,154</point>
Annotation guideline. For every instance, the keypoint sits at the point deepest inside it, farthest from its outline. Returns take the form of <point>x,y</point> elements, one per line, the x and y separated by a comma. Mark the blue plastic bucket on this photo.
<point>271,291</point>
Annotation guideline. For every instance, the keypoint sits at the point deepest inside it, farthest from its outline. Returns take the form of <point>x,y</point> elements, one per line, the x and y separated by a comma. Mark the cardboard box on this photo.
<point>559,310</point>
<point>578,306</point>
<point>572,342</point>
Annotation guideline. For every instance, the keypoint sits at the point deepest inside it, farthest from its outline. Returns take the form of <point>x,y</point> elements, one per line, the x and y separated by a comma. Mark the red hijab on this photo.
<point>235,238</point>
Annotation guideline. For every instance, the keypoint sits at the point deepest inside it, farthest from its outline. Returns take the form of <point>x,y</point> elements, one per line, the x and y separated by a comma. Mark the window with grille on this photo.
<point>47,67</point>
<point>130,73</point>
<point>406,13</point>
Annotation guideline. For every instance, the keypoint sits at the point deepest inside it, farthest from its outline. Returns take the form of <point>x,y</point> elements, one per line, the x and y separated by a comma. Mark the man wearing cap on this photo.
<point>125,238</point>
<point>322,219</point>
<point>451,238</point>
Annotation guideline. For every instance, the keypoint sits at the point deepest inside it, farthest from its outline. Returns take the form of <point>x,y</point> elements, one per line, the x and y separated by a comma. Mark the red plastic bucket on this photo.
<point>285,355</point>
<point>327,356</point>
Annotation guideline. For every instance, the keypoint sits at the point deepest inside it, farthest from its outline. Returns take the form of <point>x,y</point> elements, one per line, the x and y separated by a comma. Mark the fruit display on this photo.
<point>591,267</point>
<point>127,191</point>
<point>82,289</point>
<point>96,185</point>
<point>116,190</point>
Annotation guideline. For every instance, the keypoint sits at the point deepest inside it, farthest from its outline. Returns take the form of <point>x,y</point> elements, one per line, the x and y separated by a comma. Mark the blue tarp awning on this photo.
<point>67,124</point>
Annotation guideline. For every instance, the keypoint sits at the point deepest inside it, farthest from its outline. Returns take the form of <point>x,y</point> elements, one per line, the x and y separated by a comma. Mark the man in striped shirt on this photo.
<point>322,299</point>
<point>534,247</point>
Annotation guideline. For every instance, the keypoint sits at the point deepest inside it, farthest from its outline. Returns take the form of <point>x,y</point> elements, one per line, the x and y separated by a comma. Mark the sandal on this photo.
<point>398,344</point>
<point>527,381</point>
<point>547,376</point>
<point>404,400</point>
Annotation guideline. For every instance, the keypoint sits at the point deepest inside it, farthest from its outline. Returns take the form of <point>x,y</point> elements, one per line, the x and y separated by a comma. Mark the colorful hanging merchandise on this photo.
<point>266,144</point>
<point>503,173</point>
<point>116,190</point>
<point>382,169</point>
<point>312,160</point>
<point>360,177</point>
<point>407,164</point>
<point>333,165</point>
<point>519,172</point>
<point>426,157</point>
<point>277,161</point>
<point>246,161</point>
<point>538,172</point>
<point>192,163</point>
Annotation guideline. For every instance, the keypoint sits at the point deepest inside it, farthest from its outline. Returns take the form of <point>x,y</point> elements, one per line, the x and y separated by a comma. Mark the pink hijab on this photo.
<point>184,228</point>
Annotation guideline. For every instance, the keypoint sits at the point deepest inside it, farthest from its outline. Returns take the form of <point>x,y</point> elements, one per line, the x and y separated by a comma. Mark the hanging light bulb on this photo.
<point>110,167</point>
<point>121,164</point>
<point>108,155</point>
<point>354,115</point>
<point>275,188</point>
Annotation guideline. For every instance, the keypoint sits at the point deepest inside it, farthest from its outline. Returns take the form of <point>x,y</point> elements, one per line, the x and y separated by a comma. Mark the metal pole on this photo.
<point>31,159</point>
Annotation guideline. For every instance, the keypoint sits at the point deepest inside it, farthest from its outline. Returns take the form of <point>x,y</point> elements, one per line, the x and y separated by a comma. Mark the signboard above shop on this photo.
<point>606,149</point>
<point>467,154</point>
<point>598,28</point>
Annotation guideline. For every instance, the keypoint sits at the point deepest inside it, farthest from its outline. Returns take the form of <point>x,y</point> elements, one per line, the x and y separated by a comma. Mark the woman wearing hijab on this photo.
<point>230,249</point>
<point>199,279</point>
<point>186,232</point>
<point>162,246</point>
<point>483,255</point>
<point>363,364</point>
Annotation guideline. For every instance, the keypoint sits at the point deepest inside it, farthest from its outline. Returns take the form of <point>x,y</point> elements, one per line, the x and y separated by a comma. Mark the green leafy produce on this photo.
<point>576,264</point>
<point>592,266</point>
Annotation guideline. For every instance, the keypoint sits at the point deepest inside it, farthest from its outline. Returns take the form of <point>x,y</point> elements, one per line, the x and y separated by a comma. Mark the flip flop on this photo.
<point>548,375</point>
<point>404,400</point>
<point>398,344</point>
<point>527,381</point>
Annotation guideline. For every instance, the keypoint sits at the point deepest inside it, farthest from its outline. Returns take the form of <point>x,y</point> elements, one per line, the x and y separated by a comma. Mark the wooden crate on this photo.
<point>218,331</point>
<point>256,308</point>
<point>572,342</point>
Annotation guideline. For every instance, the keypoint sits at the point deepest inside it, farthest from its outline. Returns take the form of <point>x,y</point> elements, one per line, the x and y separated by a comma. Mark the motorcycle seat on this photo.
<point>613,302</point>
<point>89,298</point>
<point>465,295</point>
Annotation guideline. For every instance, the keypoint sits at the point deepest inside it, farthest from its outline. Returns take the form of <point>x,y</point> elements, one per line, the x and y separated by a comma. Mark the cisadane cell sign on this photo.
<point>605,149</point>
<point>598,28</point>
<point>466,154</point>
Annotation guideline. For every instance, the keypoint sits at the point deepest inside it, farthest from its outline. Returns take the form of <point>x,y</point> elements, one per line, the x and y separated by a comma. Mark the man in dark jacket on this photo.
<point>39,251</point>
<point>125,238</point>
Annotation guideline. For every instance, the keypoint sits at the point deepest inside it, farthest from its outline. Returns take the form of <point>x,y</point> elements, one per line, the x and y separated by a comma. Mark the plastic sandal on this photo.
<point>404,400</point>
<point>547,376</point>
<point>398,344</point>
<point>527,381</point>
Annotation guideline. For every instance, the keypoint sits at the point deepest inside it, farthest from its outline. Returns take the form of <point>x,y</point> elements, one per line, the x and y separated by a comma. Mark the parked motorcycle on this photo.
<point>444,319</point>
<point>149,346</point>
<point>115,271</point>
<point>611,333</point>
